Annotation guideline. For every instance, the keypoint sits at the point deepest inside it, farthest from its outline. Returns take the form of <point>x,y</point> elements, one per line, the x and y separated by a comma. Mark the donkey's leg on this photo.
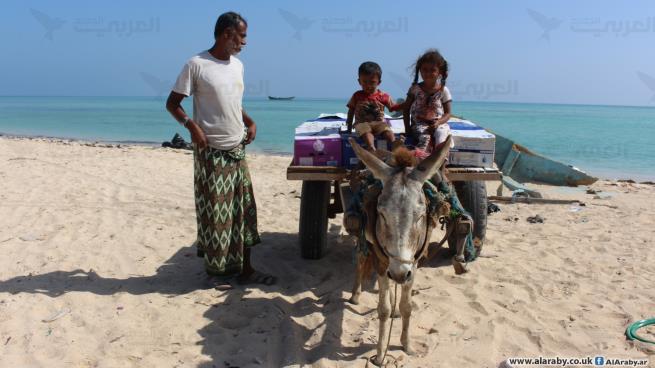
<point>406,312</point>
<point>359,277</point>
<point>384,310</point>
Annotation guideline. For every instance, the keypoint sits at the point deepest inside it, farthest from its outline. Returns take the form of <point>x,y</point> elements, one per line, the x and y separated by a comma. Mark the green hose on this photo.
<point>631,331</point>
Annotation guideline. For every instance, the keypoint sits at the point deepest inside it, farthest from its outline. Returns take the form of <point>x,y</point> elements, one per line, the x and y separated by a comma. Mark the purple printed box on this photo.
<point>317,151</point>
<point>318,142</point>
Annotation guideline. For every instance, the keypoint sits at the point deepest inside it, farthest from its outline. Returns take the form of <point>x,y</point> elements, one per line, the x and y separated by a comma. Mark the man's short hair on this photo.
<point>370,68</point>
<point>228,20</point>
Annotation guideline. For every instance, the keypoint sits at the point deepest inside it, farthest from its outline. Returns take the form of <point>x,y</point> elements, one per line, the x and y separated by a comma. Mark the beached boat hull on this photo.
<point>525,166</point>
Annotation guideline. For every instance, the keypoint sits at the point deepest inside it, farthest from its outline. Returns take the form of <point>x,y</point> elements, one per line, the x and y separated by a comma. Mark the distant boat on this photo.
<point>281,98</point>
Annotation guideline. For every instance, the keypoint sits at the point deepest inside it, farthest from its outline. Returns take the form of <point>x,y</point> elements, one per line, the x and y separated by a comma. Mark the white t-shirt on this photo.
<point>217,89</point>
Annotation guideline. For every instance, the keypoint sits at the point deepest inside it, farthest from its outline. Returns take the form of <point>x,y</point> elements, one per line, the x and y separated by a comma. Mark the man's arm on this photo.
<point>174,106</point>
<point>250,125</point>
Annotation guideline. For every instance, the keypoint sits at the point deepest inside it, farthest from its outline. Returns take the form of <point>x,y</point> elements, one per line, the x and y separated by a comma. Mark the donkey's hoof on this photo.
<point>354,300</point>
<point>378,361</point>
<point>459,267</point>
<point>407,348</point>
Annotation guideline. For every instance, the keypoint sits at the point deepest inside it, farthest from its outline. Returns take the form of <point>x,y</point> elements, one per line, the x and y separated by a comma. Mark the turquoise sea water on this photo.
<point>608,141</point>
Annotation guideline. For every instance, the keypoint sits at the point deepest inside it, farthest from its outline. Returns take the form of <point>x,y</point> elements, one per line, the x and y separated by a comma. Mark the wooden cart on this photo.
<point>325,193</point>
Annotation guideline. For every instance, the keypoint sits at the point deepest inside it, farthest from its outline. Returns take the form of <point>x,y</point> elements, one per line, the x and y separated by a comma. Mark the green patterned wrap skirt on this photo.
<point>226,213</point>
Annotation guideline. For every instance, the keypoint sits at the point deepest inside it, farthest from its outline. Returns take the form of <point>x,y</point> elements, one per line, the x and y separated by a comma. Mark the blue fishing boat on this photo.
<point>524,166</point>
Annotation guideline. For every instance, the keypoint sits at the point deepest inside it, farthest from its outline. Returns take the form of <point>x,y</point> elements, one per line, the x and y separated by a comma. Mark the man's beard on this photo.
<point>232,48</point>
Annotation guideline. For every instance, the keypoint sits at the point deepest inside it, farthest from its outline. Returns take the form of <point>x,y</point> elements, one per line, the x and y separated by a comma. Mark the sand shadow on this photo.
<point>180,274</point>
<point>299,325</point>
<point>312,290</point>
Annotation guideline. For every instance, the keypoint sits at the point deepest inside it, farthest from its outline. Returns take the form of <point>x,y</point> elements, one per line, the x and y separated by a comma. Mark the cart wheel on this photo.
<point>473,197</point>
<point>314,201</point>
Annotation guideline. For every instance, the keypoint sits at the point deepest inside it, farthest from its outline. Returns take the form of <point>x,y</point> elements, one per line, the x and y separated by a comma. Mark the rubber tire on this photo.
<point>314,201</point>
<point>473,197</point>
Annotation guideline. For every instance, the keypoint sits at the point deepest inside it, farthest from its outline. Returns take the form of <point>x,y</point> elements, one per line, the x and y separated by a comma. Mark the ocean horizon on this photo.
<point>611,142</point>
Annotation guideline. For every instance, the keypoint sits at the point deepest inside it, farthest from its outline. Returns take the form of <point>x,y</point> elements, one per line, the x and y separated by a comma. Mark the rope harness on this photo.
<point>364,205</point>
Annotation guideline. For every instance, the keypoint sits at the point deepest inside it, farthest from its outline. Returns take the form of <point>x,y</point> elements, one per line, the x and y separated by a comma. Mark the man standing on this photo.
<point>225,203</point>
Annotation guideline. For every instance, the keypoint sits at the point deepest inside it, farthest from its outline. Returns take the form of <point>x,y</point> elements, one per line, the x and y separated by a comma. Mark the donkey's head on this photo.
<point>402,219</point>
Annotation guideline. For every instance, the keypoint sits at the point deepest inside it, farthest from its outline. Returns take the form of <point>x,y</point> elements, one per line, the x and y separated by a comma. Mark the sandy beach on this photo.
<point>97,270</point>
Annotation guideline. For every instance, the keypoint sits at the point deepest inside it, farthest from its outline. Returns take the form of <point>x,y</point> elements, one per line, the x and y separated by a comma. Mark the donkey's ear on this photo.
<point>379,169</point>
<point>432,163</point>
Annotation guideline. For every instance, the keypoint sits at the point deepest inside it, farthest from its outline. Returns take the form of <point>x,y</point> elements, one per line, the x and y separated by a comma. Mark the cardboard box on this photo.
<point>474,146</point>
<point>350,160</point>
<point>468,136</point>
<point>318,142</point>
<point>471,158</point>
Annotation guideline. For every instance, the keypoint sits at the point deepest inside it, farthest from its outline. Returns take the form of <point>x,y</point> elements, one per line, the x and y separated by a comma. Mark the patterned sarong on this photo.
<point>226,213</point>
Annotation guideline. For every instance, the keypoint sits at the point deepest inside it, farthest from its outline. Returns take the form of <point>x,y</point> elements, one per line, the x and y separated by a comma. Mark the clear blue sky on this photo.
<point>586,52</point>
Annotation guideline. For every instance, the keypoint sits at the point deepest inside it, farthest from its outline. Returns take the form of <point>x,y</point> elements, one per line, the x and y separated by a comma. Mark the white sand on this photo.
<point>100,237</point>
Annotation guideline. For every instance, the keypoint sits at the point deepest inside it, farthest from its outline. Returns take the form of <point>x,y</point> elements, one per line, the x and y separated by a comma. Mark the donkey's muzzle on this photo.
<point>401,276</point>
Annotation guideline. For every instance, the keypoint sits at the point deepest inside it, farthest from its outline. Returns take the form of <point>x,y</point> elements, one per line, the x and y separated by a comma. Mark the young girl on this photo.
<point>428,103</point>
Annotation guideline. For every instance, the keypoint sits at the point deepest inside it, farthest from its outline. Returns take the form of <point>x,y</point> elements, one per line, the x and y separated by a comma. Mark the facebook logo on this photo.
<point>599,360</point>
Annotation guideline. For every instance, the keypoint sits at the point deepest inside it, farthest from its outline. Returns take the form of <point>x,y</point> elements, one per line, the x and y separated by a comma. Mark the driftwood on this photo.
<point>533,200</point>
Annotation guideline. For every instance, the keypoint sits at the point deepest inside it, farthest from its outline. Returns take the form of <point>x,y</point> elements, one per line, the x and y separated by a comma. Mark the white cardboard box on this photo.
<point>470,137</point>
<point>471,158</point>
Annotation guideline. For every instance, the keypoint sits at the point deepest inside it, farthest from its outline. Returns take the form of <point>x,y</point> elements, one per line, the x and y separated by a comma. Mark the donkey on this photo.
<point>398,229</point>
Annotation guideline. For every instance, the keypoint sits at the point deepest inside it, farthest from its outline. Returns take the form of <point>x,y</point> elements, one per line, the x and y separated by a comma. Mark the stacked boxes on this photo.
<point>324,142</point>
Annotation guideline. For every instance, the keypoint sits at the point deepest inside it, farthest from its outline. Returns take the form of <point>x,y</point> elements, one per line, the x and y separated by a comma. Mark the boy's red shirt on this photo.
<point>369,108</point>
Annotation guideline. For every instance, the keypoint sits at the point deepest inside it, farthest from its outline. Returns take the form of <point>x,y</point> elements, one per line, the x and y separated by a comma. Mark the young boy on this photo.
<point>367,105</point>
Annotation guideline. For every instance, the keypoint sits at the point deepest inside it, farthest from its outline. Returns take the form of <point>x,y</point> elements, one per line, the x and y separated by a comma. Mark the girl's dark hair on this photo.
<point>228,20</point>
<point>432,56</point>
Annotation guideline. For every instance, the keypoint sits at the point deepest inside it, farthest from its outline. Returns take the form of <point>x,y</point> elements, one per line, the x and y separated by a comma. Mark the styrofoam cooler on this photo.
<point>474,146</point>
<point>318,142</point>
